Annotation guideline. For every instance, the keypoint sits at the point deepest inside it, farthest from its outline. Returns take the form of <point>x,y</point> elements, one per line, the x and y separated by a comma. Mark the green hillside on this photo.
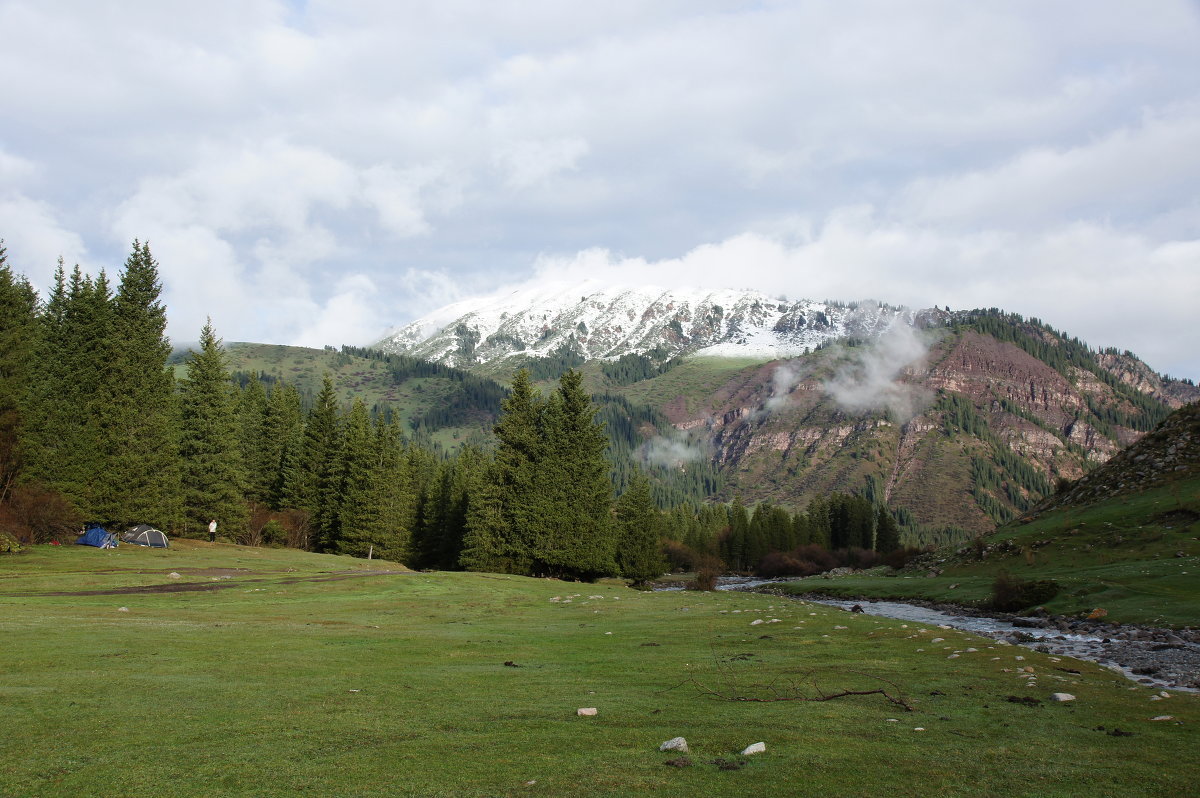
<point>1125,539</point>
<point>446,404</point>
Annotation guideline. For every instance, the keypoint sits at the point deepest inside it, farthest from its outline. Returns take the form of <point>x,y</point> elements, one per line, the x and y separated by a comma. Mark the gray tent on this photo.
<point>146,535</point>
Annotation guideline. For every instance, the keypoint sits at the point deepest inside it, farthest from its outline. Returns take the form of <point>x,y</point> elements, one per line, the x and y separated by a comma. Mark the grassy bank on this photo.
<point>1138,558</point>
<point>329,676</point>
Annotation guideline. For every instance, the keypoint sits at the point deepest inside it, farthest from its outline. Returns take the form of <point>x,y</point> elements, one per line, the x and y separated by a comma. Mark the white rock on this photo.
<point>122,609</point>
<point>586,711</point>
<point>1156,698</point>
<point>938,640</point>
<point>757,748</point>
<point>173,575</point>
<point>952,656</point>
<point>756,622</point>
<point>1163,717</point>
<point>675,744</point>
<point>1062,697</point>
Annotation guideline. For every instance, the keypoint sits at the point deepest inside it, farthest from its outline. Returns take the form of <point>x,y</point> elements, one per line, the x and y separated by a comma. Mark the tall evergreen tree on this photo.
<point>283,441</point>
<point>75,421</point>
<point>19,332</point>
<point>143,476</point>
<point>887,531</point>
<point>256,450</point>
<point>214,478</point>
<point>315,477</point>
<point>638,552</point>
<point>578,538</point>
<point>357,506</point>
<point>498,535</point>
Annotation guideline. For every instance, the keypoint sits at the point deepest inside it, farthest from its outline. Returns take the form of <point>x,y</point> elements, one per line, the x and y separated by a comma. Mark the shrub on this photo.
<point>708,568</point>
<point>900,557</point>
<point>35,514</point>
<point>679,556</point>
<point>1011,593</point>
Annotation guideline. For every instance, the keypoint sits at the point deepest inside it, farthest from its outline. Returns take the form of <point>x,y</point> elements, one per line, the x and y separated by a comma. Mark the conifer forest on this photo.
<point>95,427</point>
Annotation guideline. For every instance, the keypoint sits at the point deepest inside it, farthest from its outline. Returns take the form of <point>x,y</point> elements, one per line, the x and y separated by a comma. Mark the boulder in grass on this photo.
<point>757,748</point>
<point>586,711</point>
<point>1062,697</point>
<point>675,744</point>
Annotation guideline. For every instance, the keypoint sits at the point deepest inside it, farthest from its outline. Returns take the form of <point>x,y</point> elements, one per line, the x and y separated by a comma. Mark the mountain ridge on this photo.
<point>607,322</point>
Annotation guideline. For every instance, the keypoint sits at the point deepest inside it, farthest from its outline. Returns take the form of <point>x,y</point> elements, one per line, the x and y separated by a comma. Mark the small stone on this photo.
<point>756,748</point>
<point>1062,697</point>
<point>919,728</point>
<point>586,711</point>
<point>756,622</point>
<point>952,656</point>
<point>173,575</point>
<point>938,640</point>
<point>675,744</point>
<point>1163,717</point>
<point>122,609</point>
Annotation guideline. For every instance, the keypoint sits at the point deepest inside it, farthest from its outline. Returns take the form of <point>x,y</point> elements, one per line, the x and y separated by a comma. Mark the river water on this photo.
<point>1177,661</point>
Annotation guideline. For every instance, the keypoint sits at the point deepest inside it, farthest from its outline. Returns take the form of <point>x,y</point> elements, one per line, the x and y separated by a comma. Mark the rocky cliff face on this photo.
<point>1028,426</point>
<point>1171,452</point>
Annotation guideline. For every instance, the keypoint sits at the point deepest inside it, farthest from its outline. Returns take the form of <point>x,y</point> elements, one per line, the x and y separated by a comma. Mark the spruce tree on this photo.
<point>19,332</point>
<point>499,536</point>
<point>283,440</point>
<point>638,553</point>
<point>887,532</point>
<point>358,510</point>
<point>76,422</point>
<point>574,489</point>
<point>256,450</point>
<point>214,478</point>
<point>143,476</point>
<point>315,478</point>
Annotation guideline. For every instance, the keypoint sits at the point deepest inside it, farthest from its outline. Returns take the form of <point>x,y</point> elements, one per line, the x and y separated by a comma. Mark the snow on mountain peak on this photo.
<point>605,321</point>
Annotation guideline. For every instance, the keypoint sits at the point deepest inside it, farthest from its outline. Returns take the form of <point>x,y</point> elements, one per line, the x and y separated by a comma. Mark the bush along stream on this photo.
<point>1160,657</point>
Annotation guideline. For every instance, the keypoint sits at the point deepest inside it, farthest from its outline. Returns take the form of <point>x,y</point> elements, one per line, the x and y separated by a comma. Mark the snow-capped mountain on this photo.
<point>607,322</point>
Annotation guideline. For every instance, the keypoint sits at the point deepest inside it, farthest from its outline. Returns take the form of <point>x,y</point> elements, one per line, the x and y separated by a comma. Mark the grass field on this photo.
<point>1137,557</point>
<point>321,675</point>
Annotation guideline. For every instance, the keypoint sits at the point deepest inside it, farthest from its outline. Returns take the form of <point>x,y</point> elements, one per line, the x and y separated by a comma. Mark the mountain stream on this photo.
<point>1147,655</point>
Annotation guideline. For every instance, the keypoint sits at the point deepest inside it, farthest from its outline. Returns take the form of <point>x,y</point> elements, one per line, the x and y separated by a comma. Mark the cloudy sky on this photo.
<point>316,172</point>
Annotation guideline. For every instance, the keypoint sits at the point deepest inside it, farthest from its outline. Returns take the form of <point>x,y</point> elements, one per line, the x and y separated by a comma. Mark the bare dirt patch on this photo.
<point>194,587</point>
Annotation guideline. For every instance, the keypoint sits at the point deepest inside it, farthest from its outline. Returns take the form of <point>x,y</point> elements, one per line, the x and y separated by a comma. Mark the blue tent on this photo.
<point>99,537</point>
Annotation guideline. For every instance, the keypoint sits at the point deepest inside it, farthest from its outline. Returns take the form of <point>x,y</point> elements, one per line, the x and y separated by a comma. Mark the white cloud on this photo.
<point>351,315</point>
<point>35,239</point>
<point>672,450</point>
<point>871,379</point>
<point>982,153</point>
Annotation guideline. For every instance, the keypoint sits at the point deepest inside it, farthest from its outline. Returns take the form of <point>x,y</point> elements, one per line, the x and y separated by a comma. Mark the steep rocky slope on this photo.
<point>972,433</point>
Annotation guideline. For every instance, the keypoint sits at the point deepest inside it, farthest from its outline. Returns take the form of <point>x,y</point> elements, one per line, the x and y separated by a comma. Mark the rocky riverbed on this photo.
<point>1149,655</point>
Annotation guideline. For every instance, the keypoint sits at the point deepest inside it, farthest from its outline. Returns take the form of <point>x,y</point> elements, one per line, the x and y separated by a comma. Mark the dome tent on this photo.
<point>146,535</point>
<point>97,536</point>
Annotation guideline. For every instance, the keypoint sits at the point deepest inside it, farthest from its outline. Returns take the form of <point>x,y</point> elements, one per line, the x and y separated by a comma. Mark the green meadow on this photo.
<point>272,672</point>
<point>1136,557</point>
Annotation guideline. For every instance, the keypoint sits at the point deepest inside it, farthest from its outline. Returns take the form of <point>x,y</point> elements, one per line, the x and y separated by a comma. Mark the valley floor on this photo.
<point>318,674</point>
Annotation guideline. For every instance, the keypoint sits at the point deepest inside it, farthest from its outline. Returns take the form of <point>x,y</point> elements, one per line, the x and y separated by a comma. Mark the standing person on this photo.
<point>212,531</point>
